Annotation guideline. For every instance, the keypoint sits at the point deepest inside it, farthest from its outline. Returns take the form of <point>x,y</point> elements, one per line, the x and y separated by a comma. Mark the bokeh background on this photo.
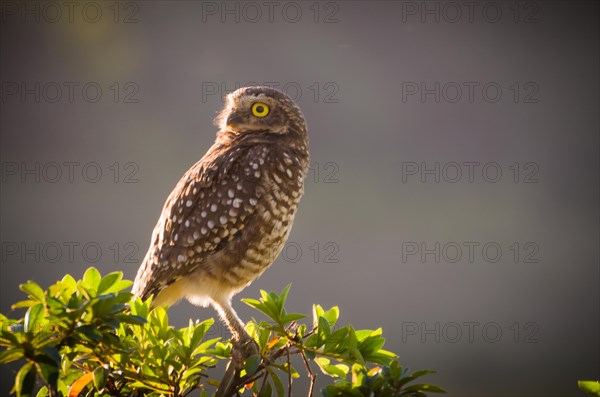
<point>148,77</point>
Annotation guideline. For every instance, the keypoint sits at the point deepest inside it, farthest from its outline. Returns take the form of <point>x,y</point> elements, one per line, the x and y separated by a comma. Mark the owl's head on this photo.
<point>260,110</point>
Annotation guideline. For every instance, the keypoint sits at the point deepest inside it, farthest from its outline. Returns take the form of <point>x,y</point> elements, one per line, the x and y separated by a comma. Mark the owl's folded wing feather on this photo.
<point>212,203</point>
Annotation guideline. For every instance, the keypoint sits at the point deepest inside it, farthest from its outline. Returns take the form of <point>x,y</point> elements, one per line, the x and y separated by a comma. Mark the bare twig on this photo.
<point>264,382</point>
<point>312,376</point>
<point>289,372</point>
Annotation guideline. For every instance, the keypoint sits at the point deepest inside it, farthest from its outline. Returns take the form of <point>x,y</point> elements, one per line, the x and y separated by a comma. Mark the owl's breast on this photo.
<point>281,181</point>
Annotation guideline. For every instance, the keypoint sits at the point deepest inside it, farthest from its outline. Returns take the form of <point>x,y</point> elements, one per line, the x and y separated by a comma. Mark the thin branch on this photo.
<point>264,382</point>
<point>312,376</point>
<point>289,373</point>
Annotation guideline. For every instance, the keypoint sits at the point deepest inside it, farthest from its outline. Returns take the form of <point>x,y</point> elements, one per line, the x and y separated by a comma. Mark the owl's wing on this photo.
<point>208,208</point>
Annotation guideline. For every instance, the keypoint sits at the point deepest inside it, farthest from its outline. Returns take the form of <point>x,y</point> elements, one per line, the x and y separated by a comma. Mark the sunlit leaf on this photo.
<point>589,386</point>
<point>108,281</point>
<point>34,290</point>
<point>33,317</point>
<point>92,278</point>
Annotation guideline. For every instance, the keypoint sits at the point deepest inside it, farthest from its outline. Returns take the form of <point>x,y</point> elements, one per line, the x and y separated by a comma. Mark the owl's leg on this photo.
<point>243,344</point>
<point>243,347</point>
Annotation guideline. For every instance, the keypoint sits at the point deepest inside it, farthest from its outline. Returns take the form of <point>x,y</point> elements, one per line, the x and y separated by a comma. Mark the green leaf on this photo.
<point>289,317</point>
<point>338,370</point>
<point>129,319</point>
<point>365,333</point>
<point>34,290</point>
<point>25,303</point>
<point>8,335</point>
<point>43,392</point>
<point>332,315</point>
<point>47,367</point>
<point>277,382</point>
<point>324,330</point>
<point>120,286</point>
<point>371,344</point>
<point>252,364</point>
<point>318,312</point>
<point>92,278</point>
<point>10,355</point>
<point>99,376</point>
<point>69,283</point>
<point>411,377</point>
<point>423,372</point>
<point>589,386</point>
<point>24,381</point>
<point>283,297</point>
<point>425,388</point>
<point>33,317</point>
<point>267,391</point>
<point>336,341</point>
<point>108,281</point>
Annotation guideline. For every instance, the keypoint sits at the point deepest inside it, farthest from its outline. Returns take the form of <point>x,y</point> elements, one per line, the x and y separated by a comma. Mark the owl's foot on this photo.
<point>242,349</point>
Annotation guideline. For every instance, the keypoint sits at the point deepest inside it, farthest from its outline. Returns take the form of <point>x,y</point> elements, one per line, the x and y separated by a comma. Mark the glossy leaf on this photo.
<point>34,290</point>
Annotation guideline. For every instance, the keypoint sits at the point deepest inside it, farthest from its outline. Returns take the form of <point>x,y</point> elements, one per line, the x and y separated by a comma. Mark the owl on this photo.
<point>229,216</point>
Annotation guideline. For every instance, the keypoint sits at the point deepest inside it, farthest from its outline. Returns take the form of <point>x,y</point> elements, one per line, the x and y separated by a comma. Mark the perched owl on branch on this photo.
<point>231,213</point>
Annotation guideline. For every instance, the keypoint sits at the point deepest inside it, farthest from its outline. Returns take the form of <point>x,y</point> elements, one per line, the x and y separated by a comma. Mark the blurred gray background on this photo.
<point>490,277</point>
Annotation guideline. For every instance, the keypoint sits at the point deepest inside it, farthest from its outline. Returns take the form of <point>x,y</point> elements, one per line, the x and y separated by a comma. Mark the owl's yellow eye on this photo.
<point>260,109</point>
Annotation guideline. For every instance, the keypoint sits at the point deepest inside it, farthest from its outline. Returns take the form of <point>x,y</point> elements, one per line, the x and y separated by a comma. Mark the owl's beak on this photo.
<point>234,120</point>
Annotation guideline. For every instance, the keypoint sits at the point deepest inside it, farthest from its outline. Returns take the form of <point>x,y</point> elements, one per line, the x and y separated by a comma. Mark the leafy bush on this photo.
<point>91,338</point>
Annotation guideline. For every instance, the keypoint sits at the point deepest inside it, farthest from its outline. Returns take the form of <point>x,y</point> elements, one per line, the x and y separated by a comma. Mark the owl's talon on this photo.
<point>242,350</point>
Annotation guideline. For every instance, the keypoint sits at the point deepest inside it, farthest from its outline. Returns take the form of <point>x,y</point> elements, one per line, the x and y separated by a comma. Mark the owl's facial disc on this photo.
<point>254,113</point>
